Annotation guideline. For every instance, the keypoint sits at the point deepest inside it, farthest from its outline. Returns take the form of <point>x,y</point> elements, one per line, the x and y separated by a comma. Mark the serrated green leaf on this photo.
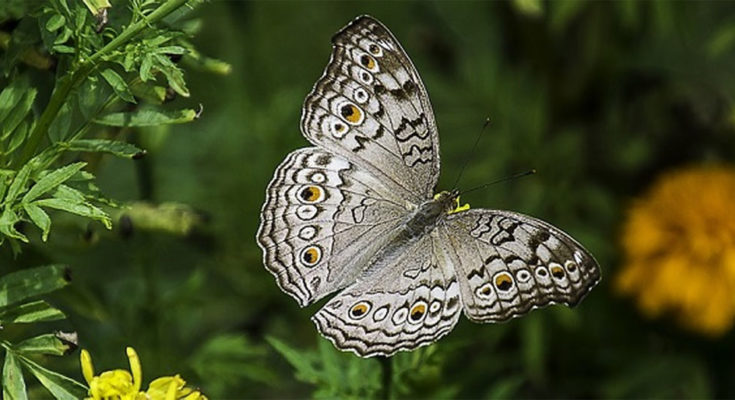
<point>118,84</point>
<point>148,117</point>
<point>55,23</point>
<point>19,183</point>
<point>40,218</point>
<point>7,225</point>
<point>84,209</point>
<point>36,311</point>
<point>120,149</point>
<point>20,285</point>
<point>50,344</point>
<point>61,387</point>
<point>52,180</point>
<point>68,193</point>
<point>17,113</point>
<point>174,76</point>
<point>14,387</point>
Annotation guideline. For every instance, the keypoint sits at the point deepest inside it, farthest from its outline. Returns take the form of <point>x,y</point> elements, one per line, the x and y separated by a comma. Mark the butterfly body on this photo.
<point>355,214</point>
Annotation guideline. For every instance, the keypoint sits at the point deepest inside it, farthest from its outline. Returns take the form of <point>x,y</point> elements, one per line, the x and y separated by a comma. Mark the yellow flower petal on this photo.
<point>87,368</point>
<point>135,368</point>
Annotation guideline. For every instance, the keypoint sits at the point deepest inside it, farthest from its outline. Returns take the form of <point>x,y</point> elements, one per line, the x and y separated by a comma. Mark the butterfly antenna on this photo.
<point>472,153</point>
<point>509,178</point>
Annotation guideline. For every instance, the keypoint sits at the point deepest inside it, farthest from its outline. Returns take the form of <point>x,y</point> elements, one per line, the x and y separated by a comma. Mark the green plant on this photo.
<point>77,78</point>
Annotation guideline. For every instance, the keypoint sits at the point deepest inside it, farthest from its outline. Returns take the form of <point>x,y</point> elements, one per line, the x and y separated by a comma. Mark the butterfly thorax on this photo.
<point>427,215</point>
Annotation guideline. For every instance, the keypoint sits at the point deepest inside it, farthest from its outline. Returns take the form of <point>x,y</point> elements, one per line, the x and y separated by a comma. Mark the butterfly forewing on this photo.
<point>320,222</point>
<point>371,107</point>
<point>509,264</point>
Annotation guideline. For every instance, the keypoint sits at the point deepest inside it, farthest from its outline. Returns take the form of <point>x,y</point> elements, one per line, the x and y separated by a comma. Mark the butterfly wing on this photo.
<point>409,298</point>
<point>323,219</point>
<point>509,264</point>
<point>371,107</point>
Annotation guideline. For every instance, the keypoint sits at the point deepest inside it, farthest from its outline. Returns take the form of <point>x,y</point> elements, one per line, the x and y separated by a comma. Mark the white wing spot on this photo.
<point>380,313</point>
<point>318,177</point>
<point>307,212</point>
<point>360,95</point>
<point>399,316</point>
<point>307,233</point>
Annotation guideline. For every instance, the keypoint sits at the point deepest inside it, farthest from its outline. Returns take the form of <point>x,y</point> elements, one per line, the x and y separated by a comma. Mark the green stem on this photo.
<point>75,77</point>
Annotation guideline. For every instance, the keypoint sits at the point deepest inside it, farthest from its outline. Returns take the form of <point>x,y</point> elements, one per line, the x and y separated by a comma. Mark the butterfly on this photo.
<point>356,213</point>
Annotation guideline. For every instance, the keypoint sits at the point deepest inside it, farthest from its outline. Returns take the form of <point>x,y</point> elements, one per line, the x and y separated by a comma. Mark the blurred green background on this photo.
<point>599,97</point>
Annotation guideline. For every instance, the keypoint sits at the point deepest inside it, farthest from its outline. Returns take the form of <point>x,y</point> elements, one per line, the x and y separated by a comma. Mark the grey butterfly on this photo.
<point>356,213</point>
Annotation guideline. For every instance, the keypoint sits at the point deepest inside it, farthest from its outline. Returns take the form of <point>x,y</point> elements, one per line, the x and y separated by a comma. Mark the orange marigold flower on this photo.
<point>679,244</point>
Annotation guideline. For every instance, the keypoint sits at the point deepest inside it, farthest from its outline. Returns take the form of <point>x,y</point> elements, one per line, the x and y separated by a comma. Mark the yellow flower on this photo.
<point>122,385</point>
<point>679,244</point>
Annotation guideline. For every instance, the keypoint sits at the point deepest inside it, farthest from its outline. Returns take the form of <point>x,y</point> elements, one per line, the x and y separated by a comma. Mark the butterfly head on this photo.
<point>450,201</point>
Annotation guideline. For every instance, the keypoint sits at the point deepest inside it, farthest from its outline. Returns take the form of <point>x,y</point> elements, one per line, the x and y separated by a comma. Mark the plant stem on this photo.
<point>73,78</point>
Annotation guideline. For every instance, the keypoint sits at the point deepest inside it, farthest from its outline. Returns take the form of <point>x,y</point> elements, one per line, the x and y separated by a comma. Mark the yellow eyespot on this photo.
<point>351,113</point>
<point>311,255</point>
<point>503,281</point>
<point>367,62</point>
<point>311,194</point>
<point>557,271</point>
<point>418,311</point>
<point>359,310</point>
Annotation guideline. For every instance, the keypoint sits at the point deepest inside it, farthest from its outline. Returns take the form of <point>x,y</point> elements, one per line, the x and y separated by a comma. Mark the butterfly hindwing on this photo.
<point>370,106</point>
<point>511,263</point>
<point>411,299</point>
<point>320,220</point>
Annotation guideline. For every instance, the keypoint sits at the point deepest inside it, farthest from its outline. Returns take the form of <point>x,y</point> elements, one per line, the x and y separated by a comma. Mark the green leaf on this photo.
<point>7,225</point>
<point>171,50</point>
<point>96,6</point>
<point>59,128</point>
<point>84,209</point>
<point>147,117</point>
<point>55,23</point>
<point>19,182</point>
<point>52,180</point>
<point>53,344</point>
<point>231,358</point>
<point>68,193</point>
<point>11,96</point>
<point>14,388</point>
<point>145,68</point>
<point>36,311</point>
<point>40,218</point>
<point>305,369</point>
<point>19,136</point>
<point>17,113</point>
<point>120,149</point>
<point>173,74</point>
<point>61,387</point>
<point>118,84</point>
<point>20,285</point>
<point>63,49</point>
